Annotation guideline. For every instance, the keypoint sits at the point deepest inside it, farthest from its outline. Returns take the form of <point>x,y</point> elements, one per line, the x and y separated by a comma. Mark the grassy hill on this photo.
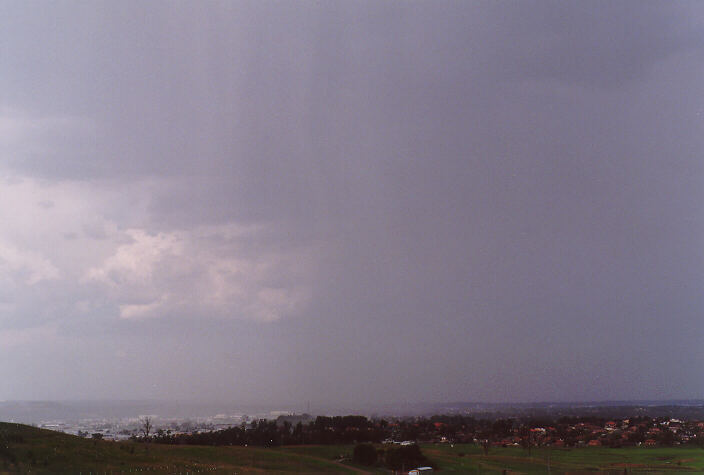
<point>24,449</point>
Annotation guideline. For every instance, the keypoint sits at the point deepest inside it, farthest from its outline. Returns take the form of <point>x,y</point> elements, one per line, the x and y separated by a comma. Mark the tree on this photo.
<point>400,458</point>
<point>146,426</point>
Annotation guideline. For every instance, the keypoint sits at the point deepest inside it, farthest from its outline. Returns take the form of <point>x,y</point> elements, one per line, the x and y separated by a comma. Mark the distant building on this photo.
<point>421,471</point>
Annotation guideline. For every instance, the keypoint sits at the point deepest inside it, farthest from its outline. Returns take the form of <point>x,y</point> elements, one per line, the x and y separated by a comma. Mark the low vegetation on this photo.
<point>391,456</point>
<point>26,449</point>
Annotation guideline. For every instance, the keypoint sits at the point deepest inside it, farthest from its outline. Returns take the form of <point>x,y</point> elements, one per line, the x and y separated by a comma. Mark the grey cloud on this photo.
<point>604,44</point>
<point>493,199</point>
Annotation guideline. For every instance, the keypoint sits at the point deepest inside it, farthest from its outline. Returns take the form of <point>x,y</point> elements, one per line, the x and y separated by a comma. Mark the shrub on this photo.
<point>404,457</point>
<point>365,454</point>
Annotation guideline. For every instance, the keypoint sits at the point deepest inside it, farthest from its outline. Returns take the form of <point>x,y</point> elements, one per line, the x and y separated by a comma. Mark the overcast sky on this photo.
<point>351,202</point>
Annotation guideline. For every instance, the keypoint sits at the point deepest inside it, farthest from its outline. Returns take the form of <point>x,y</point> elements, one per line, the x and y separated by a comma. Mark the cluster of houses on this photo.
<point>565,432</point>
<point>612,433</point>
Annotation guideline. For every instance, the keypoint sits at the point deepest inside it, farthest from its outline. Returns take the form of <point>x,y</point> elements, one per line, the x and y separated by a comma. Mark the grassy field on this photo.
<point>470,459</point>
<point>24,449</point>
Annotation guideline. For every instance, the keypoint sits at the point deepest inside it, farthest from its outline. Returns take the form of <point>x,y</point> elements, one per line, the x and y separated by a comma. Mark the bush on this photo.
<point>404,457</point>
<point>364,454</point>
<point>7,454</point>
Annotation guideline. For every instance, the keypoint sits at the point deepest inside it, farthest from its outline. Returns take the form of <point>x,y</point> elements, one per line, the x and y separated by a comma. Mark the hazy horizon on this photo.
<point>352,202</point>
<point>76,410</point>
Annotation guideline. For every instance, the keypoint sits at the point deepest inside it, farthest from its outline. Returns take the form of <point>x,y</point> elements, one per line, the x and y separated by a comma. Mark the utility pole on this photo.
<point>548,459</point>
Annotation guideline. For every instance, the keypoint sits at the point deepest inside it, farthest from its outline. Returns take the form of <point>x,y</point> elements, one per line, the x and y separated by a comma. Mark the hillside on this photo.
<point>24,448</point>
<point>29,449</point>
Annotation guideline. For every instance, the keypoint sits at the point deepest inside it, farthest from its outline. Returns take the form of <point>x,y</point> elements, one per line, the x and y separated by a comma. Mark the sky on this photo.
<point>351,202</point>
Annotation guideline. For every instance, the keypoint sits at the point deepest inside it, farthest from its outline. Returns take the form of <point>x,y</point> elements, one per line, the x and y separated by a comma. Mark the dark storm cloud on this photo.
<point>603,44</point>
<point>360,201</point>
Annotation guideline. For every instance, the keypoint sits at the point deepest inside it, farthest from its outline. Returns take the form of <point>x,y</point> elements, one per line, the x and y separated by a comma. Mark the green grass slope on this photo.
<point>28,449</point>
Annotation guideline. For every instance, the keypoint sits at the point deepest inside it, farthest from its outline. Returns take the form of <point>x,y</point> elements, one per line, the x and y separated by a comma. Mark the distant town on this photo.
<point>565,432</point>
<point>467,437</point>
<point>129,427</point>
<point>540,426</point>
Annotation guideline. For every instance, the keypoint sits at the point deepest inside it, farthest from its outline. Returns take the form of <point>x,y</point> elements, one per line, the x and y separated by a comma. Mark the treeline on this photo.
<point>266,433</point>
<point>563,432</point>
<point>393,457</point>
<point>324,430</point>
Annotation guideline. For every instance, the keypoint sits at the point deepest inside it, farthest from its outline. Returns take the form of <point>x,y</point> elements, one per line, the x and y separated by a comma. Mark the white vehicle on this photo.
<point>421,471</point>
